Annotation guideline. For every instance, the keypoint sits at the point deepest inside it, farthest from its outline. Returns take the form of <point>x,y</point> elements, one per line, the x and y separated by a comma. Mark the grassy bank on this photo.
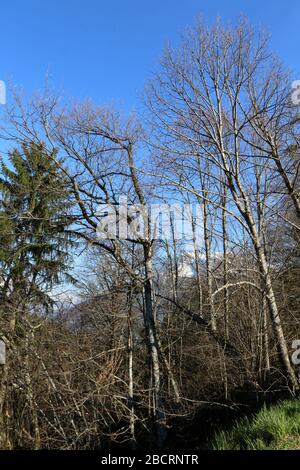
<point>277,427</point>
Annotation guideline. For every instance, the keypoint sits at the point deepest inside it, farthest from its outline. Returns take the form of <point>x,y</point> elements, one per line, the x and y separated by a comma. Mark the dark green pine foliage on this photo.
<point>34,217</point>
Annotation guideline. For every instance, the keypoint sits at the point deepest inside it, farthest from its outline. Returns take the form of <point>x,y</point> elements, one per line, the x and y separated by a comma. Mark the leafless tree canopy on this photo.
<point>161,329</point>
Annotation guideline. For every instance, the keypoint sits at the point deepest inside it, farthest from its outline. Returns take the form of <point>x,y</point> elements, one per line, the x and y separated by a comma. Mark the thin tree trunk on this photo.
<point>130,373</point>
<point>197,266</point>
<point>275,318</point>
<point>4,377</point>
<point>208,260</point>
<point>153,346</point>
<point>225,261</point>
<point>265,342</point>
<point>30,395</point>
<point>265,274</point>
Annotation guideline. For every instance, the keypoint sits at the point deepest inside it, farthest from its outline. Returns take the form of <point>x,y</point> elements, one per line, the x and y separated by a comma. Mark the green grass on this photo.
<point>277,427</point>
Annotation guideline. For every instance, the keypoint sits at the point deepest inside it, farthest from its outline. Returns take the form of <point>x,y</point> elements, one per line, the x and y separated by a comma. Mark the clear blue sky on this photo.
<point>106,49</point>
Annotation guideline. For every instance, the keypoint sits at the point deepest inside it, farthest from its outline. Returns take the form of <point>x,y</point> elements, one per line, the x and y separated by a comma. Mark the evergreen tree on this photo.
<point>34,214</point>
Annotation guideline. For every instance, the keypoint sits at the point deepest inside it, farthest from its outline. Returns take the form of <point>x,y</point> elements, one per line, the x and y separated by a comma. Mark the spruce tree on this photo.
<point>34,216</point>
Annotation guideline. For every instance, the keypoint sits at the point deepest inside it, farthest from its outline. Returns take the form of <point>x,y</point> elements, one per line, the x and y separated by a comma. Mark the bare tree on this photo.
<point>202,104</point>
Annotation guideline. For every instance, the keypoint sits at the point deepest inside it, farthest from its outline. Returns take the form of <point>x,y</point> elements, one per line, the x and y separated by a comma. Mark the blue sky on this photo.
<point>106,49</point>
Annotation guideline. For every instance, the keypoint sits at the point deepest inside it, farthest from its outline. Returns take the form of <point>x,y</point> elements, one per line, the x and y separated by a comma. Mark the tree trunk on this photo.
<point>130,372</point>
<point>207,245</point>
<point>274,313</point>
<point>153,347</point>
